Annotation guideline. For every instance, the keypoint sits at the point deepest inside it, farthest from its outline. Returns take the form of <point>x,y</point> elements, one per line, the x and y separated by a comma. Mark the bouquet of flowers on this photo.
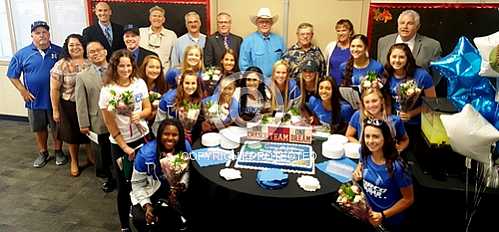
<point>154,98</point>
<point>407,95</point>
<point>121,103</point>
<point>188,114</point>
<point>174,167</point>
<point>352,200</point>
<point>211,77</point>
<point>371,80</point>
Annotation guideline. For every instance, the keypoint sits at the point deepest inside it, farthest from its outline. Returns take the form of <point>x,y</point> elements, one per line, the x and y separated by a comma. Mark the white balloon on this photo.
<point>470,134</point>
<point>485,46</point>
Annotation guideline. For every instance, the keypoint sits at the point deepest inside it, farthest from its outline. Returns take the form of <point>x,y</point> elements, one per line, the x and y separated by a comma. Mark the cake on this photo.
<point>294,158</point>
<point>332,150</point>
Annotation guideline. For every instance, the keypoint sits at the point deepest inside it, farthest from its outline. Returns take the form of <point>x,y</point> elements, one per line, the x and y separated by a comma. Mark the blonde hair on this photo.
<point>185,65</point>
<point>274,88</point>
<point>364,114</point>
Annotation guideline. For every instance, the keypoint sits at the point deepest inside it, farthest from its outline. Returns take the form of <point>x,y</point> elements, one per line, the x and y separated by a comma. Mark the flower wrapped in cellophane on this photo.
<point>371,80</point>
<point>122,104</point>
<point>174,168</point>
<point>154,98</point>
<point>353,201</point>
<point>211,77</point>
<point>188,114</point>
<point>407,95</point>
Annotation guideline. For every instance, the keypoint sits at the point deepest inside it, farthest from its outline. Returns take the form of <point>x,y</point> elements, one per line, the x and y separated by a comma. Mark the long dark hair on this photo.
<point>410,67</point>
<point>335,124</point>
<point>261,86</point>
<point>112,71</point>
<point>390,152</point>
<point>159,81</point>
<point>180,145</point>
<point>65,48</point>
<point>347,75</point>
<point>229,51</point>
<point>196,97</point>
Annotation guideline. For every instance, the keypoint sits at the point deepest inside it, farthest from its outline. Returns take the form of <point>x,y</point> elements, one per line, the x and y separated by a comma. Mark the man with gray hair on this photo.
<point>193,36</point>
<point>304,50</point>
<point>220,41</point>
<point>424,49</point>
<point>156,38</point>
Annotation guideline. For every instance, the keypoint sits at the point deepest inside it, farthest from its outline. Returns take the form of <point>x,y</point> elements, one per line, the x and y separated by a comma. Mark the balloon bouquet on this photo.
<point>473,131</point>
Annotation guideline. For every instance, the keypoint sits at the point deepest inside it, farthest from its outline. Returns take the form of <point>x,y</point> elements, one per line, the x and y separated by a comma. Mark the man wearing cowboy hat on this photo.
<point>262,48</point>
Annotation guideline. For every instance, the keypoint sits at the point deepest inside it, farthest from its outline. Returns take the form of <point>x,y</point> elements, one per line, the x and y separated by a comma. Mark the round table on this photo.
<point>220,203</point>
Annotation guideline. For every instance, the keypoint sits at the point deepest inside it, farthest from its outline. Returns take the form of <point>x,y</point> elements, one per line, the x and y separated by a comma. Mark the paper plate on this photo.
<point>234,133</point>
<point>337,138</point>
<point>352,150</point>
<point>332,150</point>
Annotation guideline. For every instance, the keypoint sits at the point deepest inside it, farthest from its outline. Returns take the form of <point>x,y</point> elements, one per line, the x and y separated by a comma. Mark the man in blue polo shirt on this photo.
<point>263,47</point>
<point>34,62</point>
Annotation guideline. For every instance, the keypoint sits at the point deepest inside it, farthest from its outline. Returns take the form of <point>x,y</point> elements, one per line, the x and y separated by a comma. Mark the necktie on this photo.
<point>109,35</point>
<point>226,42</point>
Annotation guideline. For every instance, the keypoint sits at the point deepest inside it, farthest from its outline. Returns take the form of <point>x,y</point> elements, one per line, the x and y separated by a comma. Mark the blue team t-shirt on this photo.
<point>394,122</point>
<point>423,81</point>
<point>382,190</point>
<point>36,73</point>
<point>325,116</point>
<point>358,74</point>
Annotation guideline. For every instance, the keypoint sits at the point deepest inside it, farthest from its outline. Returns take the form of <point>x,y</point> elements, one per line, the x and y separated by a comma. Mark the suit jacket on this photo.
<point>214,48</point>
<point>95,33</point>
<point>425,49</point>
<point>142,54</point>
<point>87,93</point>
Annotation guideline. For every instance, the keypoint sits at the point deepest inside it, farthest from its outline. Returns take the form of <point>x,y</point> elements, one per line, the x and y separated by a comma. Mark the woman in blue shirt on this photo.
<point>359,63</point>
<point>285,91</point>
<point>330,110</point>
<point>220,109</point>
<point>253,95</point>
<point>338,52</point>
<point>373,106</point>
<point>386,181</point>
<point>149,182</point>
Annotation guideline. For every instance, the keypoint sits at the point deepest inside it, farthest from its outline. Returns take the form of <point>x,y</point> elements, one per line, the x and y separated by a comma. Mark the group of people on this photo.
<point>103,82</point>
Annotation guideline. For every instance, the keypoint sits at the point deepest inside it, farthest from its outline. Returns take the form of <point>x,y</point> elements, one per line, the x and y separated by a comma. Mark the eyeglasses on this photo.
<point>374,122</point>
<point>93,52</point>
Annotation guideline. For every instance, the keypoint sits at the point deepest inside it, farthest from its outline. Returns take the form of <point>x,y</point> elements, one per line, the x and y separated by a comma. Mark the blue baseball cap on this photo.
<point>37,24</point>
<point>132,28</point>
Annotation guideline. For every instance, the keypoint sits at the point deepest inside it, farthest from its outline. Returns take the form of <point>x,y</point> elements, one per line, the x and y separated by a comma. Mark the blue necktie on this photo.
<point>109,35</point>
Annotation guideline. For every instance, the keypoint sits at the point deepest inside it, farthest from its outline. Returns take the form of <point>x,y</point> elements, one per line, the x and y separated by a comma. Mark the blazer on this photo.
<point>87,92</point>
<point>142,54</point>
<point>95,33</point>
<point>425,49</point>
<point>215,48</point>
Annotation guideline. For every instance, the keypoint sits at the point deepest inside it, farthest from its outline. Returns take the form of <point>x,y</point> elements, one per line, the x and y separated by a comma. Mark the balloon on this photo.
<point>485,107</point>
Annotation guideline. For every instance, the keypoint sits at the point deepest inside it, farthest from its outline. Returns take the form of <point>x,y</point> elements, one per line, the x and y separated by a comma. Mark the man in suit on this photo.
<point>424,49</point>
<point>87,92</point>
<point>131,37</point>
<point>218,42</point>
<point>109,34</point>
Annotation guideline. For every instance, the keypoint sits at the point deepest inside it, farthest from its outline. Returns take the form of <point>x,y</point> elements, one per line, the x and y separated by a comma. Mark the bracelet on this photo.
<point>116,135</point>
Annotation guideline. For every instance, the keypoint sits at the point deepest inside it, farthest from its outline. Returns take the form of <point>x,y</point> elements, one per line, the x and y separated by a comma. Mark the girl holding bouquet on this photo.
<point>359,63</point>
<point>285,91</point>
<point>386,181</point>
<point>373,106</point>
<point>220,110</point>
<point>124,101</point>
<point>184,103</point>
<point>329,108</point>
<point>152,178</point>
<point>401,70</point>
<point>253,95</point>
<point>151,71</point>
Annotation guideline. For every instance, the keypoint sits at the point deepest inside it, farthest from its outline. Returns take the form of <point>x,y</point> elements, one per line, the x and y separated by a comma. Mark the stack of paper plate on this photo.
<point>352,150</point>
<point>337,138</point>
<point>332,150</point>
<point>210,139</point>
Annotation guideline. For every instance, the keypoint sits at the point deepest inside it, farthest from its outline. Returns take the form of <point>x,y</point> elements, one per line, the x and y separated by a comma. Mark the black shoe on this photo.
<point>109,186</point>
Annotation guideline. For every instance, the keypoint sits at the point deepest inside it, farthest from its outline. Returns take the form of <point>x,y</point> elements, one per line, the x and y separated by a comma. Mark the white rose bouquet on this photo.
<point>211,77</point>
<point>371,80</point>
<point>154,98</point>
<point>174,167</point>
<point>353,201</point>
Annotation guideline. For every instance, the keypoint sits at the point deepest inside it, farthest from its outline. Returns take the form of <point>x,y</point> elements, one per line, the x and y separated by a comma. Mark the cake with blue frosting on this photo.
<point>294,158</point>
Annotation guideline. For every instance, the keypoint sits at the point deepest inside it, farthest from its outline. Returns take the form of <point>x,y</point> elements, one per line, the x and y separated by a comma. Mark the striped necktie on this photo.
<point>109,35</point>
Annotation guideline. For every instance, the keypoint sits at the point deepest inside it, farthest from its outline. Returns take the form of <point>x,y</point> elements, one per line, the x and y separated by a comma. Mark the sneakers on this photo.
<point>41,160</point>
<point>60,158</point>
